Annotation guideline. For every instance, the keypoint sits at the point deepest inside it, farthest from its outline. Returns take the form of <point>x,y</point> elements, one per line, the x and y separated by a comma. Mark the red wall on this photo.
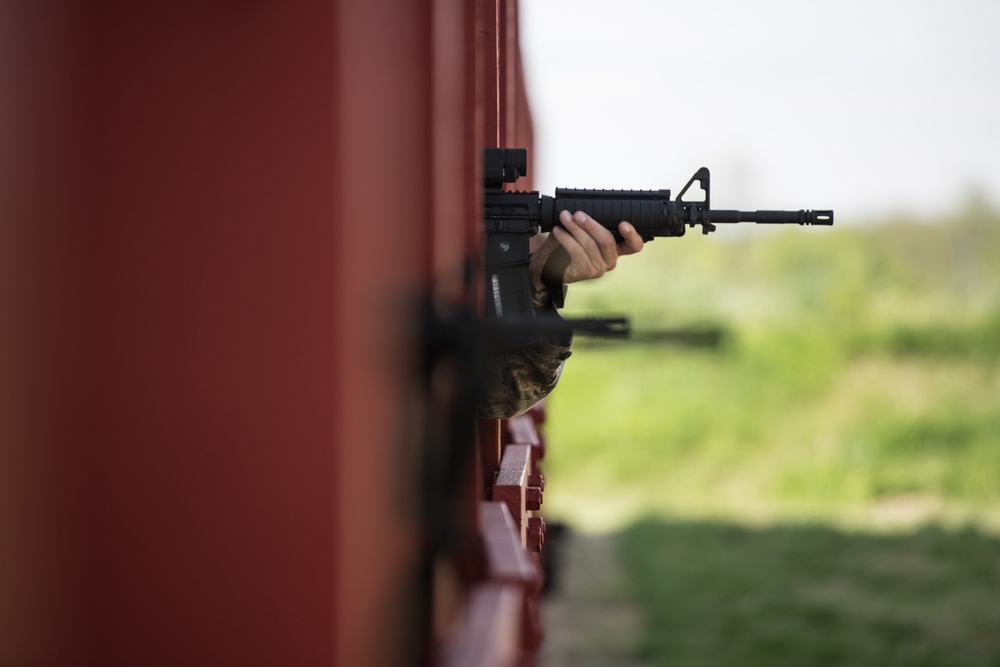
<point>215,220</point>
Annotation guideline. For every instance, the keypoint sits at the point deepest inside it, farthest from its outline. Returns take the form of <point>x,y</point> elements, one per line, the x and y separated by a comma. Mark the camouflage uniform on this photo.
<point>520,378</point>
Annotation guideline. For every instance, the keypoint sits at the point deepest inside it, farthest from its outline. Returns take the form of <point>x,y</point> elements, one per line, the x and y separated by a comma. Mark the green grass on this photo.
<point>857,364</point>
<point>822,488</point>
<point>725,594</point>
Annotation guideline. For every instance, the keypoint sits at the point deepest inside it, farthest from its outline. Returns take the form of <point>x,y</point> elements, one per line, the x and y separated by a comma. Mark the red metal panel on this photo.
<point>211,217</point>
<point>488,60</point>
<point>213,475</point>
<point>207,207</point>
<point>454,168</point>
<point>41,301</point>
<point>384,214</point>
<point>507,123</point>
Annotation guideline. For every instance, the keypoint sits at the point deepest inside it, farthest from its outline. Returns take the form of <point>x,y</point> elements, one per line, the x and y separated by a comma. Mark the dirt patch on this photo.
<point>589,618</point>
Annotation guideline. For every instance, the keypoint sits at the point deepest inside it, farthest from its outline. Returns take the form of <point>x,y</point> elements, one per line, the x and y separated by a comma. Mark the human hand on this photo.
<point>582,249</point>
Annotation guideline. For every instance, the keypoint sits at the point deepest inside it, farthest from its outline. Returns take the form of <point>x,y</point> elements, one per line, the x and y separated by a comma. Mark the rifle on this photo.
<point>511,218</point>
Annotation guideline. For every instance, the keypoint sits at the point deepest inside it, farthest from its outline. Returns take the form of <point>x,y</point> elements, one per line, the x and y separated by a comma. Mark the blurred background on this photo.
<point>874,107</point>
<point>798,456</point>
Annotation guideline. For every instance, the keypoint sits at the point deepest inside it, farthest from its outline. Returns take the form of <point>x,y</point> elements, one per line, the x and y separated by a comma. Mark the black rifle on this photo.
<point>510,219</point>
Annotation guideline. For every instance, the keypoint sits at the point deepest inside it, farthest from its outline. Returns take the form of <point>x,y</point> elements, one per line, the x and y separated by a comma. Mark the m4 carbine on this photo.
<point>511,218</point>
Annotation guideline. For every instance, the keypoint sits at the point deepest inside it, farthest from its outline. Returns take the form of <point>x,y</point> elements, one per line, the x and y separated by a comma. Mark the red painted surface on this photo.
<point>189,261</point>
<point>215,220</point>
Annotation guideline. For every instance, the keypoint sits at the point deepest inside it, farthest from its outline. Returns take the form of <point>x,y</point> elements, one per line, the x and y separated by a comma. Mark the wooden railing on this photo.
<point>501,625</point>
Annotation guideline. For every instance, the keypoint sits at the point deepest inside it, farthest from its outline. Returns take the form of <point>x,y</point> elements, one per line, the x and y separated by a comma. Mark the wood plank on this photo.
<point>506,558</point>
<point>491,634</point>
<point>512,481</point>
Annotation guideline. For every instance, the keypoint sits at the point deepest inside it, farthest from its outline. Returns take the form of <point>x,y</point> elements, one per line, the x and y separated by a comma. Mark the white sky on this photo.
<point>863,106</point>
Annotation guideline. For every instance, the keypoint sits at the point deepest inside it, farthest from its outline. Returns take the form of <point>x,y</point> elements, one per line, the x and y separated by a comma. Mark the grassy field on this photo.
<point>724,594</point>
<point>846,430</point>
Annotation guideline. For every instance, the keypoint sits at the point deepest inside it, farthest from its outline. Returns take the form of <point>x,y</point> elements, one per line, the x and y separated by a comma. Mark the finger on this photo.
<point>631,239</point>
<point>591,264</point>
<point>580,265</point>
<point>598,240</point>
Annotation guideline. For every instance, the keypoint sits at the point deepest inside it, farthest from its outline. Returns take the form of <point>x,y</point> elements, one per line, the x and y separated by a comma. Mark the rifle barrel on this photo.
<point>774,217</point>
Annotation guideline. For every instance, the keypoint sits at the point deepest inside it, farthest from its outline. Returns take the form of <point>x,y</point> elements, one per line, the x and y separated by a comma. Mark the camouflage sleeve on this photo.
<point>516,380</point>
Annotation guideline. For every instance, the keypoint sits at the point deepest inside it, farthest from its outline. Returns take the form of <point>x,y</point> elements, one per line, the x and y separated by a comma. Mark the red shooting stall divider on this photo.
<point>220,225</point>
